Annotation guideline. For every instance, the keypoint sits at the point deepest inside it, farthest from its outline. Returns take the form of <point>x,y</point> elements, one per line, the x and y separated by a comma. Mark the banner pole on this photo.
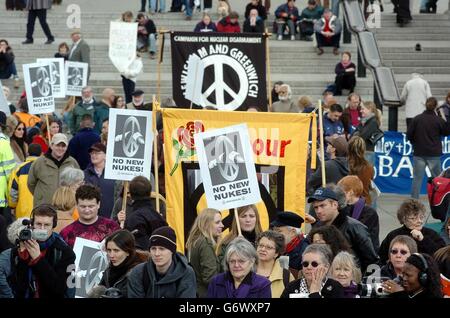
<point>124,202</point>
<point>236,218</point>
<point>322,149</point>
<point>155,153</point>
<point>269,82</point>
<point>48,129</point>
<point>160,44</point>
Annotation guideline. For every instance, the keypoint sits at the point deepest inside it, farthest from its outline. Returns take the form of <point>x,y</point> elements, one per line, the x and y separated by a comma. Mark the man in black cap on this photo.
<point>138,101</point>
<point>167,273</point>
<point>325,203</point>
<point>289,224</point>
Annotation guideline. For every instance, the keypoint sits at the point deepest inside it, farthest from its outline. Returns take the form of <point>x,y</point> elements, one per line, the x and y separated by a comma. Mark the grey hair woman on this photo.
<point>240,265</point>
<point>313,281</point>
<point>72,178</point>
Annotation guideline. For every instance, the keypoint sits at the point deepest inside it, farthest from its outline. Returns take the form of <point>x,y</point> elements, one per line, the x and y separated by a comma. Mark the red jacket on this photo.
<point>226,26</point>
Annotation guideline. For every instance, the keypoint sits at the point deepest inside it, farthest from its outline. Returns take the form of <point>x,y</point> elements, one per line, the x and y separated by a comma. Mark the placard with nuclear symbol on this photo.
<point>227,167</point>
<point>57,76</point>
<point>38,87</point>
<point>130,140</point>
<point>76,77</point>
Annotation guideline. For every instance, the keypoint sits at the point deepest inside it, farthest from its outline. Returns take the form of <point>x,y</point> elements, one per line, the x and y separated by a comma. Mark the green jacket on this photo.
<point>205,263</point>
<point>7,165</point>
<point>43,178</point>
<point>101,113</point>
<point>78,112</point>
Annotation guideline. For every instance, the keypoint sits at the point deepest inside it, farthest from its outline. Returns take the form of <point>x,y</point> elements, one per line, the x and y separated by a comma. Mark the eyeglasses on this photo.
<point>238,261</point>
<point>267,247</point>
<point>313,264</point>
<point>420,217</point>
<point>395,252</point>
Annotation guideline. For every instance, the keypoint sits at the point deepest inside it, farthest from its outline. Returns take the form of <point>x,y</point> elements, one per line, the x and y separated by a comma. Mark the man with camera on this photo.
<point>40,262</point>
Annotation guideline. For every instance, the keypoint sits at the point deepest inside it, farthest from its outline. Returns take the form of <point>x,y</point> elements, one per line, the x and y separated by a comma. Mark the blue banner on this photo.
<point>394,163</point>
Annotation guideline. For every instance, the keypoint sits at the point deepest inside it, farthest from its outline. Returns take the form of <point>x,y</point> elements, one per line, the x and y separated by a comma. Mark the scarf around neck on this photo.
<point>364,120</point>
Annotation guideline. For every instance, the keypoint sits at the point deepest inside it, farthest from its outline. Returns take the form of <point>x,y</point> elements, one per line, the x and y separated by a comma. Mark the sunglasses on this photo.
<point>313,264</point>
<point>20,128</point>
<point>395,252</point>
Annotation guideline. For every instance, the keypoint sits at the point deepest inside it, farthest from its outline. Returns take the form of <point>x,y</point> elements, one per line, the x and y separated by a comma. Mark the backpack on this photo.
<point>438,190</point>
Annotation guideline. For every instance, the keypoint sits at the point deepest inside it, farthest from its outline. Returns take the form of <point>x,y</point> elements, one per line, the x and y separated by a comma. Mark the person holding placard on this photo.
<point>144,219</point>
<point>44,174</point>
<point>250,225</point>
<point>80,144</point>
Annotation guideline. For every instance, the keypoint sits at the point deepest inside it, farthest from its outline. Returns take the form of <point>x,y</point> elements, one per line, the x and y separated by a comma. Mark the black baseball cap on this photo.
<point>323,194</point>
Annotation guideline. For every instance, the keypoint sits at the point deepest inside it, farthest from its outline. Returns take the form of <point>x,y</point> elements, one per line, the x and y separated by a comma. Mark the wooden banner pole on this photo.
<point>269,82</point>
<point>48,129</point>
<point>155,152</point>
<point>236,218</point>
<point>322,146</point>
<point>124,201</point>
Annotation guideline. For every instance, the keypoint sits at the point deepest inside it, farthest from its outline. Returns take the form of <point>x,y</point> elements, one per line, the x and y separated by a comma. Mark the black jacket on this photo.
<point>431,242</point>
<point>261,10</point>
<point>51,277</point>
<point>331,289</point>
<point>144,220</point>
<point>358,236</point>
<point>178,282</point>
<point>258,28</point>
<point>425,133</point>
<point>366,131</point>
<point>369,217</point>
<point>335,169</point>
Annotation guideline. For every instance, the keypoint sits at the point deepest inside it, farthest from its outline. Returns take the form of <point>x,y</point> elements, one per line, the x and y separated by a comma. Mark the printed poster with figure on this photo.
<point>227,167</point>
<point>130,141</point>
<point>90,263</point>
<point>57,76</point>
<point>38,87</point>
<point>76,77</point>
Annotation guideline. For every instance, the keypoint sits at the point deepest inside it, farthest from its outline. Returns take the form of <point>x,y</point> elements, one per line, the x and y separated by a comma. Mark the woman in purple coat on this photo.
<point>239,279</point>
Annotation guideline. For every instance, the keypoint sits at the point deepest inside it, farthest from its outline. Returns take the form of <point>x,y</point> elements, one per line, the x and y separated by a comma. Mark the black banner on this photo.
<point>223,70</point>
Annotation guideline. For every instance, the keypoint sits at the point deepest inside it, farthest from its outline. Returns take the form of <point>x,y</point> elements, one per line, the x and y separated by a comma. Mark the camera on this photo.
<point>29,234</point>
<point>375,289</point>
<point>371,290</point>
<point>26,233</point>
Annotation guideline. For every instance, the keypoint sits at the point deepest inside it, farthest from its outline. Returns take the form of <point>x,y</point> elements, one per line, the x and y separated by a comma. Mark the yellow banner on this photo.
<point>279,145</point>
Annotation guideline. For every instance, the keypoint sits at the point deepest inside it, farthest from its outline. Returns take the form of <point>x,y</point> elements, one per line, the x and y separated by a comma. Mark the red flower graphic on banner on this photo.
<point>184,145</point>
<point>186,135</point>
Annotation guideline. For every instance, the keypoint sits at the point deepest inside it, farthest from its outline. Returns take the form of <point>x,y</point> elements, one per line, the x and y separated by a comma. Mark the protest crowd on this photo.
<point>64,187</point>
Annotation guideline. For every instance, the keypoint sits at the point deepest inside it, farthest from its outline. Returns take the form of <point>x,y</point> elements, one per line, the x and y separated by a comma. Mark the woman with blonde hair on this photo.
<point>250,224</point>
<point>359,166</point>
<point>201,246</point>
<point>345,270</point>
<point>64,202</point>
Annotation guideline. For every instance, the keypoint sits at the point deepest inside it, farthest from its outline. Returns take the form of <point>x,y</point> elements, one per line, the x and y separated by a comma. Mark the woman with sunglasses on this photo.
<point>17,140</point>
<point>411,215</point>
<point>420,279</point>
<point>313,281</point>
<point>400,249</point>
<point>269,247</point>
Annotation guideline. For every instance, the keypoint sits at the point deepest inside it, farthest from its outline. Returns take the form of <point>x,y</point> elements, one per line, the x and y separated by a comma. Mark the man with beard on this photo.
<point>138,101</point>
<point>285,103</point>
